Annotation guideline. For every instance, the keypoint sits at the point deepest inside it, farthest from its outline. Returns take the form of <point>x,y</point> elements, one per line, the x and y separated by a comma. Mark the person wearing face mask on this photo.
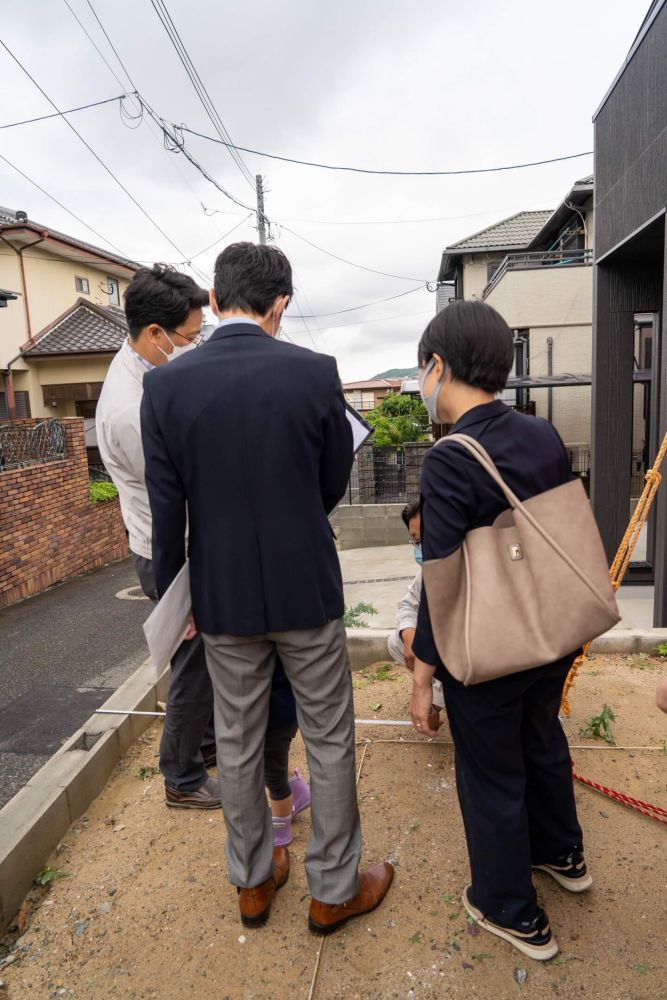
<point>400,640</point>
<point>250,436</point>
<point>164,312</point>
<point>513,768</point>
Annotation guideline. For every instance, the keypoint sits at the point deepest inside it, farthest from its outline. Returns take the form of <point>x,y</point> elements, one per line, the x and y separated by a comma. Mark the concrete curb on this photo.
<point>368,645</point>
<point>34,822</point>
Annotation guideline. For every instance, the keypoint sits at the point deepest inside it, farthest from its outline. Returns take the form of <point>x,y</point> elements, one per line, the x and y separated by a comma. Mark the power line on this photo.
<point>167,22</point>
<point>92,151</point>
<point>390,173</point>
<point>221,238</point>
<point>70,111</point>
<point>69,211</point>
<point>365,305</point>
<point>175,144</point>
<point>134,94</point>
<point>386,274</point>
<point>365,322</point>
<point>200,274</point>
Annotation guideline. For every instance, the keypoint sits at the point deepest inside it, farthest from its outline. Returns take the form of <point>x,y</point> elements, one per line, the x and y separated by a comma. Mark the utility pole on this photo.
<point>261,221</point>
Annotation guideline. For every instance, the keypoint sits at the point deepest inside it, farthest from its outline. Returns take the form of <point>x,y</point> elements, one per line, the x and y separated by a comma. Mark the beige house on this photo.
<point>365,396</point>
<point>59,282</point>
<point>535,268</point>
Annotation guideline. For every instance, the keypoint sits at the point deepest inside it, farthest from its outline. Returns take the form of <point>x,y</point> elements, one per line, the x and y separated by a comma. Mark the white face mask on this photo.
<point>177,351</point>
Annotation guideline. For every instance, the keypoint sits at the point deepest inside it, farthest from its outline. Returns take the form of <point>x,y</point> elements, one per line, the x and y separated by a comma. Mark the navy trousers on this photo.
<point>514,782</point>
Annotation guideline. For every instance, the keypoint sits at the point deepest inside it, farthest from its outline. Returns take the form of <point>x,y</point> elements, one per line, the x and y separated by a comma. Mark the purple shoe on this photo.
<point>300,793</point>
<point>282,830</point>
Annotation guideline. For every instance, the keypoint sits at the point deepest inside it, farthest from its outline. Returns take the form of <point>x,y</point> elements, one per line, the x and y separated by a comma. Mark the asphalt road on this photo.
<point>62,653</point>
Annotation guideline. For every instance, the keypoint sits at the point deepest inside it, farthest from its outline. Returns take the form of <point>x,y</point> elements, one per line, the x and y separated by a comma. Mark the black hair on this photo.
<point>162,295</point>
<point>251,277</point>
<point>409,511</point>
<point>474,340</point>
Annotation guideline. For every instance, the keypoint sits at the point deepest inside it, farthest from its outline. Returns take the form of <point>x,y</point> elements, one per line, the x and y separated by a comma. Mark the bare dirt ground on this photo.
<point>146,911</point>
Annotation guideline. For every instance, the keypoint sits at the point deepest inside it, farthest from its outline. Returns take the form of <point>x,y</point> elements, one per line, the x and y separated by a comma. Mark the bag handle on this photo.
<point>479,452</point>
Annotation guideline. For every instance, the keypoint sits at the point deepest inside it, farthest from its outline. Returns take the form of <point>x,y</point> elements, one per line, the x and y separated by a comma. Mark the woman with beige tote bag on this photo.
<point>496,608</point>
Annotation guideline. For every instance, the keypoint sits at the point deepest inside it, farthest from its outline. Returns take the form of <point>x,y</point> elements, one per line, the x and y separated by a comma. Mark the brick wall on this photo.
<point>49,529</point>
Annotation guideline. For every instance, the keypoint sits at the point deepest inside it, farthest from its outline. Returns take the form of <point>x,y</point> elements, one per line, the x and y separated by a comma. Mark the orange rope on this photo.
<point>626,548</point>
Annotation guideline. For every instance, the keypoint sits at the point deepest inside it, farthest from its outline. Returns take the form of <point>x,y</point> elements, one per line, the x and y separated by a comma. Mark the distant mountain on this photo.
<point>399,373</point>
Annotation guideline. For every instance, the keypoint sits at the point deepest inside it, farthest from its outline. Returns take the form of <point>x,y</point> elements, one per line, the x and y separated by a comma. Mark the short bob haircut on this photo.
<point>250,277</point>
<point>474,340</point>
<point>161,295</point>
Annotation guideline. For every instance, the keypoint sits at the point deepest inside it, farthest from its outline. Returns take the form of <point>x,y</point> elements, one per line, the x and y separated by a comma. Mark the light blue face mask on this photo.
<point>417,553</point>
<point>431,401</point>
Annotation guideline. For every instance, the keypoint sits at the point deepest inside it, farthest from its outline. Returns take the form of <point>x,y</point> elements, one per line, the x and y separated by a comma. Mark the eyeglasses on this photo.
<point>197,340</point>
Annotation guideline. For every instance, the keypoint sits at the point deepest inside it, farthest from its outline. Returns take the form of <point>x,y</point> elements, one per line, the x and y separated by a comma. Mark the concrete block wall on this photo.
<point>360,526</point>
<point>49,529</point>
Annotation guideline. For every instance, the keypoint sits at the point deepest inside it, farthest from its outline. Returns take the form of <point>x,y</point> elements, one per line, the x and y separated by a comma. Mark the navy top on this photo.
<point>458,495</point>
<point>251,436</point>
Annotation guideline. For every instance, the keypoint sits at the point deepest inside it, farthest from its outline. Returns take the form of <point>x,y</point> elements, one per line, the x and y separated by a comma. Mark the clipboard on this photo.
<point>361,429</point>
<point>167,624</point>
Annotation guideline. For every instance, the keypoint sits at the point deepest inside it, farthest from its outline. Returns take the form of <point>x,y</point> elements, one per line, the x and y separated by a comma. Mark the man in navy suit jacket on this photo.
<point>250,436</point>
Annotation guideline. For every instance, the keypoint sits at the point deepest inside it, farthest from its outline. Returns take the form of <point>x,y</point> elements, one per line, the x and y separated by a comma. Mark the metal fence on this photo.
<point>392,474</point>
<point>24,445</point>
<point>98,474</point>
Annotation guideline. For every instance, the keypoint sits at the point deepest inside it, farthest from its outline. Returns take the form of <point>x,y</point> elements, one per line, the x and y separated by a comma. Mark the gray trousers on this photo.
<point>188,724</point>
<point>316,664</point>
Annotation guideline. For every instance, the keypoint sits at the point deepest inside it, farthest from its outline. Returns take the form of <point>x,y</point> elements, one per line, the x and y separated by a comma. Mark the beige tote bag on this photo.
<point>524,591</point>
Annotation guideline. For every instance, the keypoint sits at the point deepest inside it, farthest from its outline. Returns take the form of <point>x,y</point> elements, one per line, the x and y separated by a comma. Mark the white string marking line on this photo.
<point>389,722</point>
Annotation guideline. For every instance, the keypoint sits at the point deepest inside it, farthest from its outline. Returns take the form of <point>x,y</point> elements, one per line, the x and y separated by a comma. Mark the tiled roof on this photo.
<point>509,234</point>
<point>86,328</point>
<point>374,383</point>
<point>8,218</point>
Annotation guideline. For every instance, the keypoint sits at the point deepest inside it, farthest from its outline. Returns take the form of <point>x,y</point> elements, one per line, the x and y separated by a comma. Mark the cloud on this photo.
<point>382,83</point>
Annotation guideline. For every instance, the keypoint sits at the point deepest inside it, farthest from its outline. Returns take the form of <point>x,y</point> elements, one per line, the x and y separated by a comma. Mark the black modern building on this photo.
<point>630,296</point>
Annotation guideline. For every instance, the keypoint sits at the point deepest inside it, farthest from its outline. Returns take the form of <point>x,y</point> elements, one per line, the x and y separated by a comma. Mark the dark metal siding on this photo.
<point>631,144</point>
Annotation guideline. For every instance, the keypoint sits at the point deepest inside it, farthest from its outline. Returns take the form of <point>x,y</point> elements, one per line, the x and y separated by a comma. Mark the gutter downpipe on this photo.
<point>7,373</point>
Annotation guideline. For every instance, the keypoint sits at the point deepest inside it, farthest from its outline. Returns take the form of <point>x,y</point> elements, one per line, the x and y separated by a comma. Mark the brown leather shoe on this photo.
<point>255,903</point>
<point>206,797</point>
<point>324,918</point>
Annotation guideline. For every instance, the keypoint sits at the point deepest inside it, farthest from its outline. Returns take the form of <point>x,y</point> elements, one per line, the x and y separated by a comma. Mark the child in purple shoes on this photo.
<point>284,810</point>
<point>288,795</point>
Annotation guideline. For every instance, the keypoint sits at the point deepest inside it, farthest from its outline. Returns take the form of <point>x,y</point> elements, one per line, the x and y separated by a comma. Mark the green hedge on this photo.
<point>101,492</point>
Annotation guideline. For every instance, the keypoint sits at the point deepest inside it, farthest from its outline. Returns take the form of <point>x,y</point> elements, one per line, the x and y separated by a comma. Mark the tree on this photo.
<point>398,418</point>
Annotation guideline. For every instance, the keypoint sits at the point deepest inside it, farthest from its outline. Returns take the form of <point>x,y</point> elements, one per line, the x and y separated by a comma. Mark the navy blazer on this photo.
<point>251,434</point>
<point>457,494</point>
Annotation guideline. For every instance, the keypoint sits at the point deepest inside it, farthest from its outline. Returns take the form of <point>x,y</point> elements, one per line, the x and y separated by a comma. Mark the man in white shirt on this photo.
<point>400,640</point>
<point>165,317</point>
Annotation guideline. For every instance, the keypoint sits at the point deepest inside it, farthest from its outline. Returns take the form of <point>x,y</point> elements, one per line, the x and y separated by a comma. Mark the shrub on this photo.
<point>102,492</point>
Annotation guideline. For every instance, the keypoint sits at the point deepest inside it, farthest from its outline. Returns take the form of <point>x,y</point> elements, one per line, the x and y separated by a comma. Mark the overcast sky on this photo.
<point>386,84</point>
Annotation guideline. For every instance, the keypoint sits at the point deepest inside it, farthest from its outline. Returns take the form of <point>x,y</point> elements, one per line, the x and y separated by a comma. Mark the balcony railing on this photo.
<point>532,261</point>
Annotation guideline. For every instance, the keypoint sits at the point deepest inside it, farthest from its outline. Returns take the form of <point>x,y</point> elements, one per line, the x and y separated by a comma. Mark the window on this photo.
<point>360,400</point>
<point>491,269</point>
<point>112,291</point>
<point>82,285</point>
<point>22,405</point>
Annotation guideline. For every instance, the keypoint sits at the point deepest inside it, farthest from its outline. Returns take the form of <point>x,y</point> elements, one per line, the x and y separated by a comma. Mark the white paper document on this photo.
<point>166,626</point>
<point>361,430</point>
